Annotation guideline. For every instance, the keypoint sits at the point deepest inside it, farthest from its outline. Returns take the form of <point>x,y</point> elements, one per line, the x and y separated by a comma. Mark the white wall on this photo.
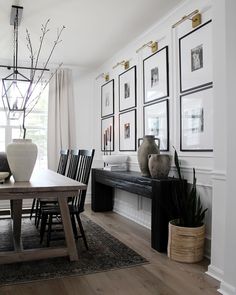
<point>132,206</point>
<point>219,169</point>
<point>224,221</point>
<point>216,188</point>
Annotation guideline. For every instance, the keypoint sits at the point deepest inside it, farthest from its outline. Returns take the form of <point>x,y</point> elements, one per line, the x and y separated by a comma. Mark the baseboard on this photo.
<point>227,289</point>
<point>215,272</point>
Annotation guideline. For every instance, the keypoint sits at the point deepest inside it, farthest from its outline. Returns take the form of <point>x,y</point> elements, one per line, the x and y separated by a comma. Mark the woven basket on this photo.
<point>186,244</point>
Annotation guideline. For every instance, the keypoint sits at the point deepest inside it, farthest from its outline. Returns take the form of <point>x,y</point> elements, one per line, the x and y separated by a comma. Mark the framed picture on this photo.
<point>195,56</point>
<point>107,134</point>
<point>107,99</point>
<point>156,122</point>
<point>196,120</point>
<point>127,128</point>
<point>127,89</point>
<point>156,76</point>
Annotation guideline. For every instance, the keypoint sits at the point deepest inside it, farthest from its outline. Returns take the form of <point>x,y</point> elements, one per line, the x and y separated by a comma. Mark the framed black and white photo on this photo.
<point>127,89</point>
<point>156,122</point>
<point>107,99</point>
<point>196,120</point>
<point>107,134</point>
<point>156,76</point>
<point>127,128</point>
<point>195,54</point>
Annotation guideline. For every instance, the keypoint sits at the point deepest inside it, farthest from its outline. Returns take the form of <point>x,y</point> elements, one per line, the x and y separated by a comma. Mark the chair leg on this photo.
<point>74,226</point>
<point>49,229</point>
<point>82,230</point>
<point>43,226</point>
<point>32,208</point>
<point>36,212</point>
<point>39,215</point>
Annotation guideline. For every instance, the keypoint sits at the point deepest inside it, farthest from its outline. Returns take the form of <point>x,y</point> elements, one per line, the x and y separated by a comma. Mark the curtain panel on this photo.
<point>61,116</point>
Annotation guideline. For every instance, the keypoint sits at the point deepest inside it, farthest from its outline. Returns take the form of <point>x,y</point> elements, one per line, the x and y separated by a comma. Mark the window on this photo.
<point>36,129</point>
<point>36,126</point>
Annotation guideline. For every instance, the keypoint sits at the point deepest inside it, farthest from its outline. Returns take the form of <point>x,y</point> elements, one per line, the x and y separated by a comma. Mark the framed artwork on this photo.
<point>156,76</point>
<point>127,89</point>
<point>107,99</point>
<point>156,122</point>
<point>127,128</point>
<point>195,58</point>
<point>196,121</point>
<point>107,134</point>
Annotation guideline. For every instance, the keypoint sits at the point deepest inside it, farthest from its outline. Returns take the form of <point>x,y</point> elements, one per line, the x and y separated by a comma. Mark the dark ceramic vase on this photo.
<point>4,166</point>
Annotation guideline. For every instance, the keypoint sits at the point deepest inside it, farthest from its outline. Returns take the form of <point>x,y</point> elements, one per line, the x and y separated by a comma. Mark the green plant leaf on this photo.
<point>188,203</point>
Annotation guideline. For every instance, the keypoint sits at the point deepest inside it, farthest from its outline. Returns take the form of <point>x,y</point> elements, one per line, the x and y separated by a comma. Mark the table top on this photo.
<point>42,181</point>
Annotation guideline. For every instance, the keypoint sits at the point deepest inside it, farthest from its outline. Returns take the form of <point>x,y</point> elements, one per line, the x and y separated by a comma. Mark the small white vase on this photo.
<point>21,156</point>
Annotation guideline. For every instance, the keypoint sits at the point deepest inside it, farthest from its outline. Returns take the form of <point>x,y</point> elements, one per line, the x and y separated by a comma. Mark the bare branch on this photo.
<point>31,90</point>
<point>36,99</point>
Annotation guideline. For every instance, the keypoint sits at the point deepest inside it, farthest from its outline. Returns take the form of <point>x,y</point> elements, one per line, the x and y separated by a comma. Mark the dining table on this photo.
<point>43,184</point>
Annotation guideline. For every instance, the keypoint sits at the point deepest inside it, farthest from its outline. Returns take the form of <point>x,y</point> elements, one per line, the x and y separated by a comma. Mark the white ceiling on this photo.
<point>95,29</point>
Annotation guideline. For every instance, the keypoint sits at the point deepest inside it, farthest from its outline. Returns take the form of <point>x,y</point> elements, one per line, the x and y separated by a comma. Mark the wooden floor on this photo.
<point>160,276</point>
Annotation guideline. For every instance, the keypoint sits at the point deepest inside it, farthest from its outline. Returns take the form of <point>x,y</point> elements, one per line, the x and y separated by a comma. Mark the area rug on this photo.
<point>105,253</point>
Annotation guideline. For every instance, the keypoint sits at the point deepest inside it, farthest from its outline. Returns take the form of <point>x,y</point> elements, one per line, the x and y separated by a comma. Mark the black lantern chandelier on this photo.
<point>20,88</point>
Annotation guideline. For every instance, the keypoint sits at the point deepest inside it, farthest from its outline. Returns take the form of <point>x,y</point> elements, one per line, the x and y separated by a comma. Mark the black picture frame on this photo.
<point>107,124</point>
<point>127,131</point>
<point>156,76</point>
<point>128,89</point>
<point>196,120</point>
<point>156,122</point>
<point>195,58</point>
<point>107,99</point>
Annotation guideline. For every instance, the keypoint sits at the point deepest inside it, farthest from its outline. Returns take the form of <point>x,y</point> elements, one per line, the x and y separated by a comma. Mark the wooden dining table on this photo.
<point>44,184</point>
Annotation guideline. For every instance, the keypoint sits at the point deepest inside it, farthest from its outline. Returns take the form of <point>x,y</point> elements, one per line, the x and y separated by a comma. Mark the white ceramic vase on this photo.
<point>21,156</point>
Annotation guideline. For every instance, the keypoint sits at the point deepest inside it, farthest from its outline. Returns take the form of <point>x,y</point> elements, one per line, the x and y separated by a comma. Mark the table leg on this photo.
<point>70,241</point>
<point>16,210</point>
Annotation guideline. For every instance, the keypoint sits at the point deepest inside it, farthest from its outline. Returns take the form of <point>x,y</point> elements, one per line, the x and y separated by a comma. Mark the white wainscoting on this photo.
<point>134,207</point>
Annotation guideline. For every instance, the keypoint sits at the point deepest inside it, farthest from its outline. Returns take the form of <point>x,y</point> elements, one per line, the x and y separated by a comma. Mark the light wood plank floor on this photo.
<point>160,276</point>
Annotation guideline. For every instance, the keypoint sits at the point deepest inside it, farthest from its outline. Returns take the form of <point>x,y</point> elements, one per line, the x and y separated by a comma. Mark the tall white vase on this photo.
<point>21,156</point>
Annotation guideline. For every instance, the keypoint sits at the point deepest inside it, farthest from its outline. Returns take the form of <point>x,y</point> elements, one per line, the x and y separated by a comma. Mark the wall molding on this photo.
<point>202,170</point>
<point>187,170</point>
<point>219,175</point>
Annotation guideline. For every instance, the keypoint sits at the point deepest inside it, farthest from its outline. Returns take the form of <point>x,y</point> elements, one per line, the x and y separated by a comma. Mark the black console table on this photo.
<point>158,190</point>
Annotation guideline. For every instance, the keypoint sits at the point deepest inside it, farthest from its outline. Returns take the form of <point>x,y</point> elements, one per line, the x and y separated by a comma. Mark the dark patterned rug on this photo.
<point>105,253</point>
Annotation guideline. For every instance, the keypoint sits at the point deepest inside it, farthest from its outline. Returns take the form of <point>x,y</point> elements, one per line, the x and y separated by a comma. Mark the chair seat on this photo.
<point>48,200</point>
<point>55,210</point>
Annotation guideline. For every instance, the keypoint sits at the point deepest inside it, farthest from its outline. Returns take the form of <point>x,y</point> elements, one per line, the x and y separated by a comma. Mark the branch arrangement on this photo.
<point>30,102</point>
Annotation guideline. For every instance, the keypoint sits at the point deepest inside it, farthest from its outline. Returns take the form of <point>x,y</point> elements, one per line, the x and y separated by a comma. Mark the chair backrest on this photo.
<point>73,164</point>
<point>61,169</point>
<point>84,168</point>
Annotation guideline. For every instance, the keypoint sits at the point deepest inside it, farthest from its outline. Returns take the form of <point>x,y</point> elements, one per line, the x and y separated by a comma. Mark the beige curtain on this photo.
<point>61,116</point>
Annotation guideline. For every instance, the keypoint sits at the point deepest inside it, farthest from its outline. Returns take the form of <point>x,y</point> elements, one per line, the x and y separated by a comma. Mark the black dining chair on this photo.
<point>51,215</point>
<point>71,173</point>
<point>61,169</point>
